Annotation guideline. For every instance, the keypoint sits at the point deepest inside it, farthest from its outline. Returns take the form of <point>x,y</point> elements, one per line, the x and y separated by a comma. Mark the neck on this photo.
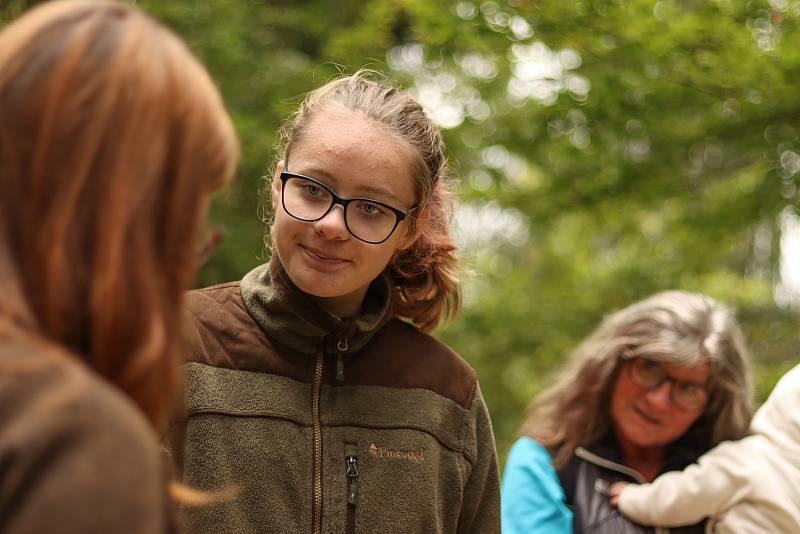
<point>298,320</point>
<point>344,306</point>
<point>648,461</point>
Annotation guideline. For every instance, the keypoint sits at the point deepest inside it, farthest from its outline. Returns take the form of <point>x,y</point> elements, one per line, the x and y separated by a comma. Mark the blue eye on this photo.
<point>371,209</point>
<point>313,189</point>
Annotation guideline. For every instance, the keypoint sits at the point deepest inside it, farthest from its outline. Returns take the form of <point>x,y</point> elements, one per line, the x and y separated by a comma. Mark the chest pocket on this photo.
<point>391,471</point>
<point>390,481</point>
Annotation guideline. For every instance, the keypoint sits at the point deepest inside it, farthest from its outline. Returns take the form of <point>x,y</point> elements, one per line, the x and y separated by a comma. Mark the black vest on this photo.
<point>586,480</point>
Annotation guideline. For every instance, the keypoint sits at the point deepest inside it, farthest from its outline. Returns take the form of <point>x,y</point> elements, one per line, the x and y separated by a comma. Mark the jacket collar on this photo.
<point>295,319</point>
<point>678,455</point>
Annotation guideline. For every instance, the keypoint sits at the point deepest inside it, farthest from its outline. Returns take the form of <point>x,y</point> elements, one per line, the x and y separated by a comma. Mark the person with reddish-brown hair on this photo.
<point>112,138</point>
<point>315,385</point>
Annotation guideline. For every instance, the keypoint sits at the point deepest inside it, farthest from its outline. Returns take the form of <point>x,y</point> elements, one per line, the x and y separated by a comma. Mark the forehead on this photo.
<point>354,154</point>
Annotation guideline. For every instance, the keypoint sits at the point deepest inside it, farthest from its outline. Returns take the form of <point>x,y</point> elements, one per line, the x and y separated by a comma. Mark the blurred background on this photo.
<point>605,150</point>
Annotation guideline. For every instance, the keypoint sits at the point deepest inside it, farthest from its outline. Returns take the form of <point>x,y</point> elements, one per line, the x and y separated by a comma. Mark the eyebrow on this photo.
<point>367,189</point>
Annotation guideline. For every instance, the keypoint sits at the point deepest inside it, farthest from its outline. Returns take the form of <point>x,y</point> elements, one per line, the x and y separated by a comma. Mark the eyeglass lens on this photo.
<point>309,201</point>
<point>683,393</point>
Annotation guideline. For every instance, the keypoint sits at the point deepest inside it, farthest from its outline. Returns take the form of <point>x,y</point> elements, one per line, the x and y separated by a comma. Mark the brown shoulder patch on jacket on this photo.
<point>221,333</point>
<point>401,356</point>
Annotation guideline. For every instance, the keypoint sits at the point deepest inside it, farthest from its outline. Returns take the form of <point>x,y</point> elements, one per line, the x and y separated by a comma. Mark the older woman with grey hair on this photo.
<point>652,388</point>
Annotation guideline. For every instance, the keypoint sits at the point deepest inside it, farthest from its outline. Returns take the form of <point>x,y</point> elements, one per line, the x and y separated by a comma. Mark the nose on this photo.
<point>659,397</point>
<point>332,225</point>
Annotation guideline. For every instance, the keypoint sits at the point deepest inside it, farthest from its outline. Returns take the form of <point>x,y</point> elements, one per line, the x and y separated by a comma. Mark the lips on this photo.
<point>646,417</point>
<point>321,256</point>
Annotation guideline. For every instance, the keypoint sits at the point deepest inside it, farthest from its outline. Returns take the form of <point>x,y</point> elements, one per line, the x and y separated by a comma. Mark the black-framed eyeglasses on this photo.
<point>687,395</point>
<point>368,220</point>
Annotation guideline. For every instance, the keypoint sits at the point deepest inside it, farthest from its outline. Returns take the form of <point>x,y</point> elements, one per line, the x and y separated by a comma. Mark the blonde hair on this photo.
<point>112,138</point>
<point>425,275</point>
<point>675,327</point>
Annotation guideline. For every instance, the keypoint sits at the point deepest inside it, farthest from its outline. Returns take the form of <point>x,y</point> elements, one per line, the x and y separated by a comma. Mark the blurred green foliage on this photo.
<point>606,149</point>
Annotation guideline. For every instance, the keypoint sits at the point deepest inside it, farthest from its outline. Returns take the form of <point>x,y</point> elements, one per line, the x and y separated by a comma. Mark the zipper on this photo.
<point>351,465</point>
<point>341,348</point>
<point>317,522</point>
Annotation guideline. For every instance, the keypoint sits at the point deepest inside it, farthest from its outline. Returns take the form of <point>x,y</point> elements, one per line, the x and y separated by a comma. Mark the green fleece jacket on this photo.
<point>363,425</point>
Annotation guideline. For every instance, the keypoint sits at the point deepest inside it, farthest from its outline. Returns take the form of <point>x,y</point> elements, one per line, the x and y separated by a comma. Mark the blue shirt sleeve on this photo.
<point>531,497</point>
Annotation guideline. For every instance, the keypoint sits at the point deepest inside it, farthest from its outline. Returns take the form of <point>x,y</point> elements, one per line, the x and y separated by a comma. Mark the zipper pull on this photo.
<point>342,346</point>
<point>352,479</point>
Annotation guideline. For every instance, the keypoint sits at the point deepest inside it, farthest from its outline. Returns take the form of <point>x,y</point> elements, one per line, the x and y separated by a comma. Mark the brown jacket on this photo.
<point>364,425</point>
<point>76,456</point>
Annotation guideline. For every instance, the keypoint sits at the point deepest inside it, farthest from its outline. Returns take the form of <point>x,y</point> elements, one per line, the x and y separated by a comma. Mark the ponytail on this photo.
<point>425,275</point>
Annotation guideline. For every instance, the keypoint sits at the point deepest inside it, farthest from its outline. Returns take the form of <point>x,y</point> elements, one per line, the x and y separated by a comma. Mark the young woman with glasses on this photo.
<point>316,388</point>
<point>652,388</point>
<point>112,139</point>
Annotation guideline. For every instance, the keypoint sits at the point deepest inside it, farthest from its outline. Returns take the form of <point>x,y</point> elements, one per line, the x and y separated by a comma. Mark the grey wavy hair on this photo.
<point>676,327</point>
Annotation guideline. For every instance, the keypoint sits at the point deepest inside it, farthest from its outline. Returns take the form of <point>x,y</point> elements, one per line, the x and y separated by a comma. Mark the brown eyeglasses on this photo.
<point>687,395</point>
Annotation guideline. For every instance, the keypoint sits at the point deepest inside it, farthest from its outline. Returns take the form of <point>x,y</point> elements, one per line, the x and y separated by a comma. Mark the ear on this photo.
<point>276,185</point>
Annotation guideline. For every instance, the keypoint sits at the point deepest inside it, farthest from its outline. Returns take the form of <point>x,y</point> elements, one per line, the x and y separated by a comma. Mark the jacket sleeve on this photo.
<point>533,500</point>
<point>685,497</point>
<point>480,509</point>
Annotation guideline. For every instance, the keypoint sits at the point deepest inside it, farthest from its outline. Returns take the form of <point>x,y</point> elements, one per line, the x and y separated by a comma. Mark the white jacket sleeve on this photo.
<point>685,497</point>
